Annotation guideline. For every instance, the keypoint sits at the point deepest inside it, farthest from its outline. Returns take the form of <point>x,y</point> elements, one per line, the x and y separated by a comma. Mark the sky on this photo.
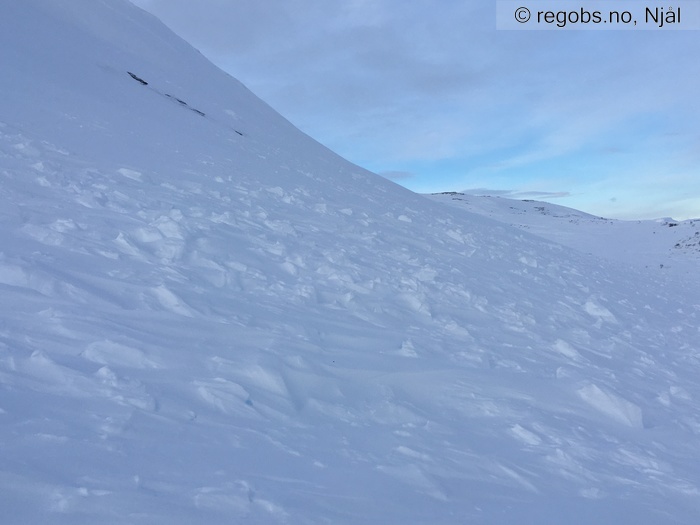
<point>432,95</point>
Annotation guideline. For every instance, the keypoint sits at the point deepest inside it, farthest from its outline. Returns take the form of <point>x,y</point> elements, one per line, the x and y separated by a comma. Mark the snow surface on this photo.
<point>207,317</point>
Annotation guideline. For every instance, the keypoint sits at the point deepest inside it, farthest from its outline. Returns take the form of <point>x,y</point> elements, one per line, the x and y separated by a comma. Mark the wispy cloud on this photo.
<point>517,194</point>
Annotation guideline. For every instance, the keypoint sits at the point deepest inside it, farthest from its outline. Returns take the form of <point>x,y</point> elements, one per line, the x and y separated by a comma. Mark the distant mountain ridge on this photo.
<point>661,243</point>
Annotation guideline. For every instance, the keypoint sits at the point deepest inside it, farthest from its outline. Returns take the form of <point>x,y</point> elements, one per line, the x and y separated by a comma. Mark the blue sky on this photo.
<point>431,95</point>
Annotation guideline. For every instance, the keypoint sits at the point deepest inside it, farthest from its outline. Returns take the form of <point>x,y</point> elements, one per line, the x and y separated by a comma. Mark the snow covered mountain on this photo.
<point>663,243</point>
<point>208,317</point>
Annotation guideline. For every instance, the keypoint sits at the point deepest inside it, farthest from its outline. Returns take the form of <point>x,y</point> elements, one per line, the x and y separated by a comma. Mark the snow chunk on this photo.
<point>524,435</point>
<point>612,405</point>
<point>407,349</point>
<point>130,174</point>
<point>594,309</point>
<point>171,302</point>
<point>566,350</point>
<point>115,354</point>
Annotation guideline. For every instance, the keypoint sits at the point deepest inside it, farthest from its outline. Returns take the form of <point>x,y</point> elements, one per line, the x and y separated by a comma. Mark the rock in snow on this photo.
<point>208,317</point>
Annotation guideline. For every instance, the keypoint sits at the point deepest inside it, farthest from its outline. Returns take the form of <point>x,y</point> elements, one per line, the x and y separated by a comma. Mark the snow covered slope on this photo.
<point>662,244</point>
<point>207,317</point>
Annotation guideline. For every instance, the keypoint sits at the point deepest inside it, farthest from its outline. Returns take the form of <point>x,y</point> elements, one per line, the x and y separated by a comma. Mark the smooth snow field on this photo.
<point>208,317</point>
